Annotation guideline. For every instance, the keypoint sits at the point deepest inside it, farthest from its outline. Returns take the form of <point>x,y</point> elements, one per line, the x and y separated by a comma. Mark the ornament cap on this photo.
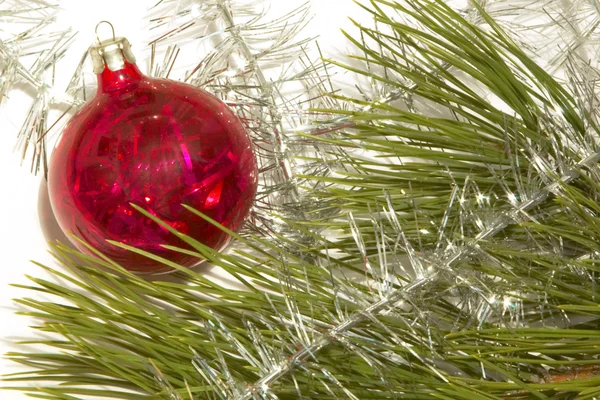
<point>111,53</point>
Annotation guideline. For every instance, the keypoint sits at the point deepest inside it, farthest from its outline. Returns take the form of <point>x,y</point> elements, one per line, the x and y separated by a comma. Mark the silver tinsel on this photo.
<point>261,68</point>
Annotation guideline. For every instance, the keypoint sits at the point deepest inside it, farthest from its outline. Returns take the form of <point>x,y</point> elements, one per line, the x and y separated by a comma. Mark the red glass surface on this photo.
<point>155,143</point>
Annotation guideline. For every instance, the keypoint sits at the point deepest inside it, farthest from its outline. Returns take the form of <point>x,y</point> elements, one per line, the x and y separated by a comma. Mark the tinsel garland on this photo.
<point>433,236</point>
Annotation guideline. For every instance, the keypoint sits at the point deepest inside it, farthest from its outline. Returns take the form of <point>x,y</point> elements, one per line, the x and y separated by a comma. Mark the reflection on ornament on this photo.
<point>155,143</point>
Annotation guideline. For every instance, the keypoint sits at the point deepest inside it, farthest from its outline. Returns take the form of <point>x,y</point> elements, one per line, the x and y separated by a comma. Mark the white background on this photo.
<point>21,236</point>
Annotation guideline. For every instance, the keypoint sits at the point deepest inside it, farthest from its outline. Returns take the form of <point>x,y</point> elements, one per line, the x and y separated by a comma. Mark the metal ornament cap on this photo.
<point>111,53</point>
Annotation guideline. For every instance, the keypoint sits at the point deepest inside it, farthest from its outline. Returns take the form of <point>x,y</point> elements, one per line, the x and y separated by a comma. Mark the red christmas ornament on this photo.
<point>156,143</point>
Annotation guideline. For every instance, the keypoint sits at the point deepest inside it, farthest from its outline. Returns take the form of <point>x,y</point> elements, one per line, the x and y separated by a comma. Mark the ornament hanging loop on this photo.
<point>111,53</point>
<point>111,27</point>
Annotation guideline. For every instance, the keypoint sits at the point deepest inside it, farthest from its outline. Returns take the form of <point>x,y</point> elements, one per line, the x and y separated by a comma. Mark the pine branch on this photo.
<point>459,259</point>
<point>261,387</point>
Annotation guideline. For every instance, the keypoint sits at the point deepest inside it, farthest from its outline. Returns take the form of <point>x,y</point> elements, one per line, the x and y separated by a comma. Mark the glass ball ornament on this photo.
<point>155,143</point>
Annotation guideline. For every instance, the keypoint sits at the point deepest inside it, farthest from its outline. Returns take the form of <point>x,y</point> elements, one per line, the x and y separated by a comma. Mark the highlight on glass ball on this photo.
<point>158,144</point>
